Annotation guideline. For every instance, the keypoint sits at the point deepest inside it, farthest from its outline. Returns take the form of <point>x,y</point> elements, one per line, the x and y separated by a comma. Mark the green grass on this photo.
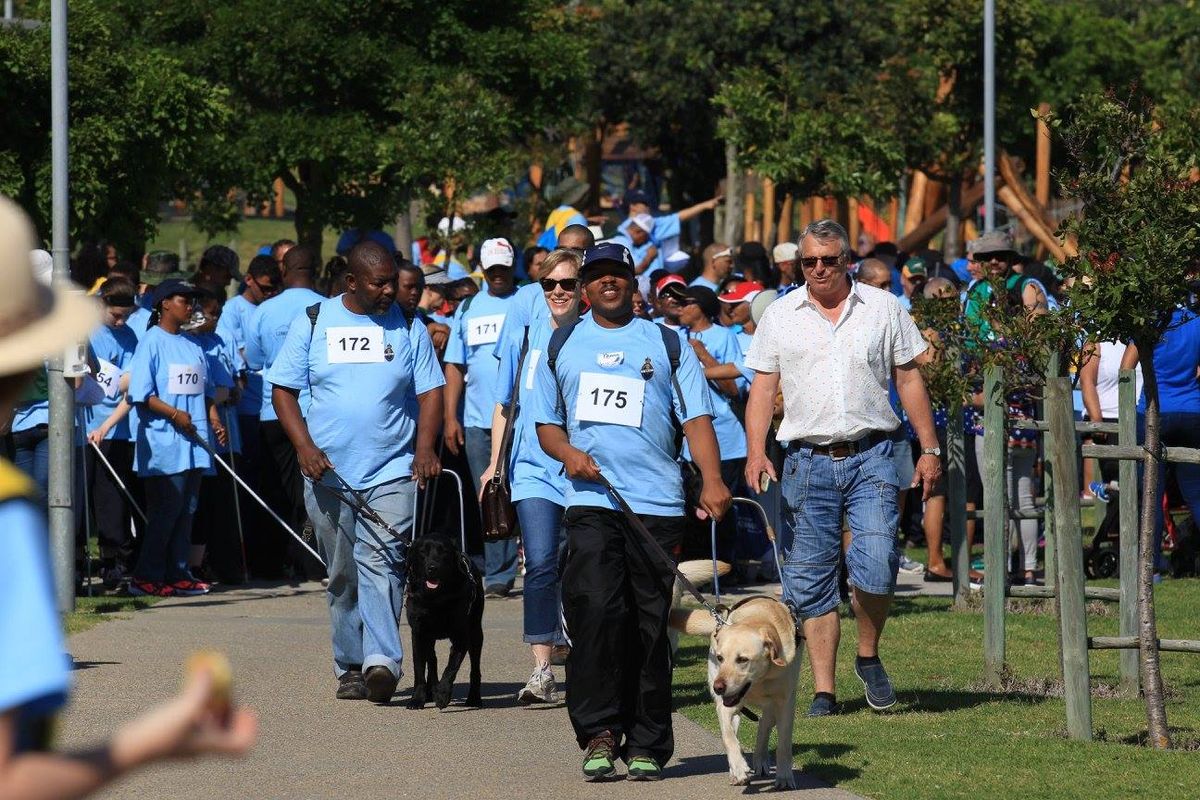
<point>91,611</point>
<point>950,738</point>
<point>252,233</point>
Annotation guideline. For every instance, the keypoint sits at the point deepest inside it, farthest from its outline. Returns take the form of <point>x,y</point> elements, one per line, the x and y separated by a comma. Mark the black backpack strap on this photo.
<point>313,312</point>
<point>674,349</point>
<point>557,340</point>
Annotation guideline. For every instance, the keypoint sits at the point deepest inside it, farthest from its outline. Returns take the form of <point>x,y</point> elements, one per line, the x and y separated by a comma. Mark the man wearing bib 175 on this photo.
<point>361,357</point>
<point>471,351</point>
<point>609,400</point>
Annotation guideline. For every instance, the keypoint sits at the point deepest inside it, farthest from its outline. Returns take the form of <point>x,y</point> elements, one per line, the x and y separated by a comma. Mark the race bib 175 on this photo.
<point>610,398</point>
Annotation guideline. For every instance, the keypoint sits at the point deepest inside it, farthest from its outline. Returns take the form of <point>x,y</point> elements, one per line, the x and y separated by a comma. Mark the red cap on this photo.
<point>743,293</point>
<point>667,281</point>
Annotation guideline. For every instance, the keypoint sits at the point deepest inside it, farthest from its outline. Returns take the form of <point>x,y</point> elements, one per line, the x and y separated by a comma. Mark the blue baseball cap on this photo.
<point>170,288</point>
<point>607,254</point>
<point>636,196</point>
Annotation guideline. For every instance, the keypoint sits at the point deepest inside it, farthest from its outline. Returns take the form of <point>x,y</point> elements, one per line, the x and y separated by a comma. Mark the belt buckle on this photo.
<point>842,451</point>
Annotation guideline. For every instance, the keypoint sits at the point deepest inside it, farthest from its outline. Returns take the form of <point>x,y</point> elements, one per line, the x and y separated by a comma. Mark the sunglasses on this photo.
<point>829,261</point>
<point>567,284</point>
<point>985,258</point>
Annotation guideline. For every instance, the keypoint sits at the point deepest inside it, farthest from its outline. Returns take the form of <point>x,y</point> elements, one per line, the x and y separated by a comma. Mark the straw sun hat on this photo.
<point>36,321</point>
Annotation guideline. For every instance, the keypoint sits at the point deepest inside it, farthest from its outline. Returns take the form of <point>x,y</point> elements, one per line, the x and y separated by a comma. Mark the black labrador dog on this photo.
<point>445,601</point>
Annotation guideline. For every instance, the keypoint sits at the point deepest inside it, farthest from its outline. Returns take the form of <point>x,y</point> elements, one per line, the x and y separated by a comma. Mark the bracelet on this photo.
<point>174,414</point>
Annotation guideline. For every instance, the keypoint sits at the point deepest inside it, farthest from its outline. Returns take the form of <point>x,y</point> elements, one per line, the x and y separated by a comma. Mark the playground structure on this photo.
<point>1064,553</point>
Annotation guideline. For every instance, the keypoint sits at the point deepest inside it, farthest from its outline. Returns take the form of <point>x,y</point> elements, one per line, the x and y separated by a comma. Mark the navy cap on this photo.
<point>170,288</point>
<point>636,196</point>
<point>607,253</point>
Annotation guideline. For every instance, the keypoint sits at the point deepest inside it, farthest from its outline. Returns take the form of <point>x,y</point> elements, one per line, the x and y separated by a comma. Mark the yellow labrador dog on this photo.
<point>752,661</point>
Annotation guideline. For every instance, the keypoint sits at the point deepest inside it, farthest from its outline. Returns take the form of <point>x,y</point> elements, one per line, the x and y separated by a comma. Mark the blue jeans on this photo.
<point>31,455</point>
<point>366,572</point>
<point>500,558</point>
<point>816,491</point>
<point>542,534</point>
<point>170,507</point>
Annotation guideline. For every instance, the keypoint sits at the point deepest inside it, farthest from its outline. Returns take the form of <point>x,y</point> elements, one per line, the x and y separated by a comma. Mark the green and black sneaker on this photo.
<point>600,761</point>
<point>644,768</point>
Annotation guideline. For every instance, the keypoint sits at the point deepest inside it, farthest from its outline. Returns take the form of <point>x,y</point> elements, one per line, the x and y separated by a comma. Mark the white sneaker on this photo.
<point>910,567</point>
<point>540,688</point>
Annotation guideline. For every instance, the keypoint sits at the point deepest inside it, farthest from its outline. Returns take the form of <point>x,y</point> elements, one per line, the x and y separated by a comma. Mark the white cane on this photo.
<point>261,502</point>
<point>120,483</point>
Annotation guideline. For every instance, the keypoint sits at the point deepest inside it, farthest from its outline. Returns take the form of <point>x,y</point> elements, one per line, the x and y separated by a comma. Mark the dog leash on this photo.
<point>639,526</point>
<point>353,499</point>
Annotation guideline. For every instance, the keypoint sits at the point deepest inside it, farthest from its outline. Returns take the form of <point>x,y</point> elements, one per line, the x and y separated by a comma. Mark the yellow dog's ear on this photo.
<point>773,645</point>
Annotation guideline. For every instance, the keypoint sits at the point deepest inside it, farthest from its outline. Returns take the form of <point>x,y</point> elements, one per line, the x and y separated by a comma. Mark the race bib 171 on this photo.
<point>610,398</point>
<point>356,344</point>
<point>484,330</point>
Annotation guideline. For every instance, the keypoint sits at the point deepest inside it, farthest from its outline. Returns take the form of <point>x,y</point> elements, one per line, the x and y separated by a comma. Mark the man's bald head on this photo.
<point>874,272</point>
<point>576,237</point>
<point>300,266</point>
<point>367,256</point>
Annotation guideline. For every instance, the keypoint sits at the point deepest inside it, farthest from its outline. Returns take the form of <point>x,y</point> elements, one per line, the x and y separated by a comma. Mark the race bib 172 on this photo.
<point>185,379</point>
<point>355,344</point>
<point>610,398</point>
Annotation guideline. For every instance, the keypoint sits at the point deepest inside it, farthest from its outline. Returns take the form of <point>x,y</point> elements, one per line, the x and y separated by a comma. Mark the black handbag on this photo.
<point>499,514</point>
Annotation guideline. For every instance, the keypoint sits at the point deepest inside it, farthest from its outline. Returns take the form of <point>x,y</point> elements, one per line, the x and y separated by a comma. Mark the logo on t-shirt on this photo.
<point>647,369</point>
<point>388,353</point>
<point>610,360</point>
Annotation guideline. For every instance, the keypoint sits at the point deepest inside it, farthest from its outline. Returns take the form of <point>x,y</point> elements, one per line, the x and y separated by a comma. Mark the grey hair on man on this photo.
<point>826,230</point>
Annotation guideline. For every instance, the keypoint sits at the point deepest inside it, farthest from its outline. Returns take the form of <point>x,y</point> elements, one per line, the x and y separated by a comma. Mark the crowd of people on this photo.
<point>627,366</point>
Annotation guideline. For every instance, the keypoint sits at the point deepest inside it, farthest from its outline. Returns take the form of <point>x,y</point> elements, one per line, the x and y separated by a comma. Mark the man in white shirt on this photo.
<point>833,345</point>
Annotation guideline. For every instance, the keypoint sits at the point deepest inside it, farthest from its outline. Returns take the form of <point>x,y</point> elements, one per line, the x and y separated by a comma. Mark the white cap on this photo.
<point>643,221</point>
<point>785,252</point>
<point>444,225</point>
<point>495,253</point>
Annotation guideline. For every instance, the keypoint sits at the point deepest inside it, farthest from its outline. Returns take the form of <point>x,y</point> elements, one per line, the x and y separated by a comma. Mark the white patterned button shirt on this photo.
<point>835,377</point>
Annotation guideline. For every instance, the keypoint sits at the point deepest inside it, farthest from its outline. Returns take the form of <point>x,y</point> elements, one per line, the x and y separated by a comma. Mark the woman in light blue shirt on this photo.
<point>538,485</point>
<point>171,386</point>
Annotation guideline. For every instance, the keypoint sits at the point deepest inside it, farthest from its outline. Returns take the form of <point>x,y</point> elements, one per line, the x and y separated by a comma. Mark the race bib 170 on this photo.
<point>356,344</point>
<point>484,330</point>
<point>610,398</point>
<point>185,379</point>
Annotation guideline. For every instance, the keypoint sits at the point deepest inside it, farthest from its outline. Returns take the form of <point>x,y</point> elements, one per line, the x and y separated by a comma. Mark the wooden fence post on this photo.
<point>768,213</point>
<point>995,515</point>
<point>956,500</point>
<point>1127,477</point>
<point>1072,606</point>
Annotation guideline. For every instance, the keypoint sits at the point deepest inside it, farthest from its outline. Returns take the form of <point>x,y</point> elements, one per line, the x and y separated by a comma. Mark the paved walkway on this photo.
<point>313,746</point>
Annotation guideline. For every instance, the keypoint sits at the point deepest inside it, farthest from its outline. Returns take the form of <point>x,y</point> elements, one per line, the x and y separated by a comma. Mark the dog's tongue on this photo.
<point>432,584</point>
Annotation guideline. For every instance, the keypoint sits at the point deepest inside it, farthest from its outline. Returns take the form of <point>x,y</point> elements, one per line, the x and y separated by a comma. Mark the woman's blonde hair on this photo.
<point>562,256</point>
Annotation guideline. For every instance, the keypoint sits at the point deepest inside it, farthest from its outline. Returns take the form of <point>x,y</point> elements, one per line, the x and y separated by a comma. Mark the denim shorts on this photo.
<point>817,490</point>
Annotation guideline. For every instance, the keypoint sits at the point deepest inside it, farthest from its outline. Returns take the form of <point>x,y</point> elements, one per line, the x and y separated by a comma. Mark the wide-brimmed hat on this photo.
<point>992,242</point>
<point>36,321</point>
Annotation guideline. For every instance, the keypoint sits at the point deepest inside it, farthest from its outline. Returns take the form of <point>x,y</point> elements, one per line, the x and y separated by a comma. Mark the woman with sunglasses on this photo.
<point>538,485</point>
<point>174,395</point>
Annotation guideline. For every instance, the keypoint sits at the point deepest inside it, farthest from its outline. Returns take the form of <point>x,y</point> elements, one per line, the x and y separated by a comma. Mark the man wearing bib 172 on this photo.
<point>361,358</point>
<point>609,400</point>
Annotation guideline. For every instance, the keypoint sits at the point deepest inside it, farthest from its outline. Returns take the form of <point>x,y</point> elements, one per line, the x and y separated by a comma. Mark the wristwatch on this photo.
<point>931,451</point>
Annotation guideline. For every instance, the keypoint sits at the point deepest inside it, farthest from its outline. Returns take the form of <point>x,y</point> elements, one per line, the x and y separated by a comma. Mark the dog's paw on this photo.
<point>419,699</point>
<point>760,767</point>
<point>785,779</point>
<point>740,774</point>
<point>441,695</point>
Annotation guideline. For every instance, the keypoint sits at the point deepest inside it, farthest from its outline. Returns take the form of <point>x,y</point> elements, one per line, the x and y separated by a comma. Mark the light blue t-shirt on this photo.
<point>29,415</point>
<point>139,321</point>
<point>35,671</point>
<point>528,305</point>
<point>173,368</point>
<point>722,344</point>
<point>113,350</point>
<point>359,414</point>
<point>472,343</point>
<point>221,359</point>
<point>235,319</point>
<point>665,234</point>
<point>602,373</point>
<point>532,472</point>
<point>700,280</point>
<point>265,334</point>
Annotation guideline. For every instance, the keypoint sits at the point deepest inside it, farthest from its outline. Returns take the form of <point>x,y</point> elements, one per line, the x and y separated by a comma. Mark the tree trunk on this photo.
<point>953,220</point>
<point>733,196</point>
<point>310,227</point>
<point>1151,670</point>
